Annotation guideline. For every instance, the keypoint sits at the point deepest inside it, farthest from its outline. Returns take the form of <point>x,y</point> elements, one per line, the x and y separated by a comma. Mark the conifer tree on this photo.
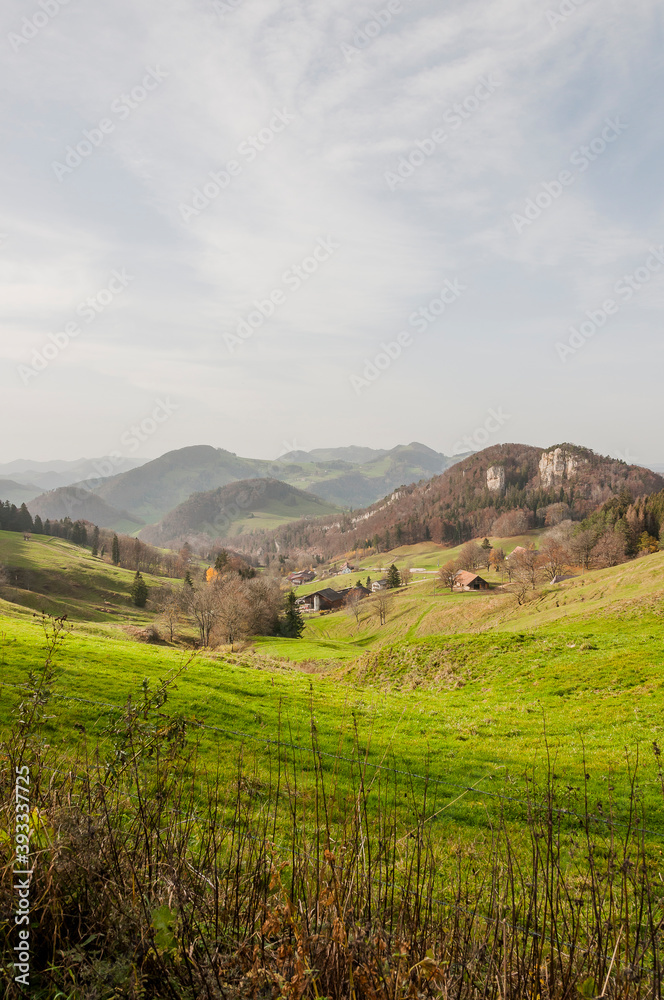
<point>393,577</point>
<point>292,625</point>
<point>139,591</point>
<point>95,540</point>
<point>115,551</point>
<point>24,519</point>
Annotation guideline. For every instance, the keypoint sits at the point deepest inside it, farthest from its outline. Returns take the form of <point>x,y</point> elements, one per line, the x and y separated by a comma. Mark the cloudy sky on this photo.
<point>298,224</point>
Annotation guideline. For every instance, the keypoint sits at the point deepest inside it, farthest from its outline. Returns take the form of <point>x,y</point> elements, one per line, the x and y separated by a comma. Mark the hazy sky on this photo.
<point>455,184</point>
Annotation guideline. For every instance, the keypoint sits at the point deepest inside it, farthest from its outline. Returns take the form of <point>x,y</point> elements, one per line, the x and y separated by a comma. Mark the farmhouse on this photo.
<point>466,581</point>
<point>378,585</point>
<point>331,600</point>
<point>303,576</point>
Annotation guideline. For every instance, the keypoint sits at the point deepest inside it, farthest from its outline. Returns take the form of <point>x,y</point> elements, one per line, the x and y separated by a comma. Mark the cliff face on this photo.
<point>557,465</point>
<point>495,479</point>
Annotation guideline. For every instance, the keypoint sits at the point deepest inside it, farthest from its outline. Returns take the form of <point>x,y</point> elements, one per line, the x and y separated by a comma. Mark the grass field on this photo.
<point>466,682</point>
<point>469,765</point>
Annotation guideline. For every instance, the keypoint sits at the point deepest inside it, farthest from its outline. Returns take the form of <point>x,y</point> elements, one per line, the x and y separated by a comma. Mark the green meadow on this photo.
<point>470,689</point>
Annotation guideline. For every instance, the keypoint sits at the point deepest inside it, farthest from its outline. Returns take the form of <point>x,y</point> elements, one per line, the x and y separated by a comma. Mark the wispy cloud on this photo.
<point>225,74</point>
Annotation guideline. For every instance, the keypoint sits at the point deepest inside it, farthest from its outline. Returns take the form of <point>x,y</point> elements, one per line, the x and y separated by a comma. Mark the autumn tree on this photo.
<point>497,559</point>
<point>648,544</point>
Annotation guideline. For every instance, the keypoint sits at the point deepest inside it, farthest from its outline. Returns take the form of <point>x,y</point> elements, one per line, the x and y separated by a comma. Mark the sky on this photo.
<point>275,224</point>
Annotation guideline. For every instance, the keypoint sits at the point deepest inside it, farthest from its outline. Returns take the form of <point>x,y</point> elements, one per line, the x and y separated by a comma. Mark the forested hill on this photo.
<point>219,514</point>
<point>502,490</point>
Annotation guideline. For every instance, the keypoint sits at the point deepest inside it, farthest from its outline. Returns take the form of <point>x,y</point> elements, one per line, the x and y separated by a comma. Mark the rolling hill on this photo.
<point>82,505</point>
<point>345,477</point>
<point>17,493</point>
<point>233,509</point>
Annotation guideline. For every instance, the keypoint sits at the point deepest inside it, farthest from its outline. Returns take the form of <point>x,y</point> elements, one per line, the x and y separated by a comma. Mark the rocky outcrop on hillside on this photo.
<point>558,465</point>
<point>495,479</point>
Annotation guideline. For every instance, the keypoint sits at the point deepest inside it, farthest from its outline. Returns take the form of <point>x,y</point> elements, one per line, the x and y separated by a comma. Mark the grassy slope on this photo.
<point>61,578</point>
<point>275,514</point>
<point>472,698</point>
<point>426,555</point>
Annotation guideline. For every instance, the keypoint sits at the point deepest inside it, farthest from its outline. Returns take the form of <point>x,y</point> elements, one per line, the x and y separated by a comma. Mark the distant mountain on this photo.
<point>353,454</point>
<point>466,501</point>
<point>17,493</point>
<point>340,480</point>
<point>157,487</point>
<point>81,505</point>
<point>254,504</point>
<point>52,474</point>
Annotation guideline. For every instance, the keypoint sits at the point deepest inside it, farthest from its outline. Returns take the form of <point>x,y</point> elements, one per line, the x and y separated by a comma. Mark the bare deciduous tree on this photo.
<point>583,543</point>
<point>264,599</point>
<point>203,606</point>
<point>471,557</point>
<point>609,549</point>
<point>381,604</point>
<point>353,606</point>
<point>525,565</point>
<point>171,610</point>
<point>447,574</point>
<point>554,558</point>
<point>233,612</point>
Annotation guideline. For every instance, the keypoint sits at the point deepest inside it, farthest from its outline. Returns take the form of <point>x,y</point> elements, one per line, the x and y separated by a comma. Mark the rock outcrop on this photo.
<point>495,479</point>
<point>557,465</point>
